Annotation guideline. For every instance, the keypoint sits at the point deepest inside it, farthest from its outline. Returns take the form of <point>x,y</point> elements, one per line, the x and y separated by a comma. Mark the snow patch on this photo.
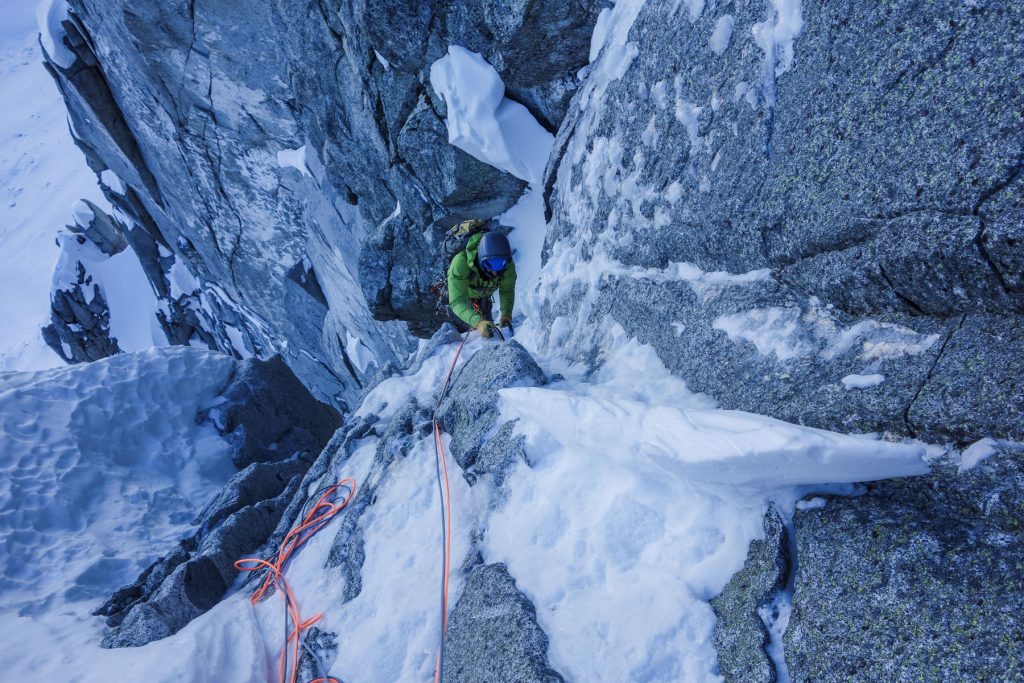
<point>526,218</point>
<point>361,356</point>
<point>50,14</point>
<point>183,282</point>
<point>293,158</point>
<point>977,453</point>
<point>788,332</point>
<point>84,215</point>
<point>238,342</point>
<point>722,34</point>
<point>483,122</point>
<point>816,503</point>
<point>772,331</point>
<point>694,7</point>
<point>383,62</point>
<point>113,181</point>
<point>862,381</point>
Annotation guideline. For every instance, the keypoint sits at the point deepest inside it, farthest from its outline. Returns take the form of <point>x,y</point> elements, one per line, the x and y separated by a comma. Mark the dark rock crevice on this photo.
<point>911,429</point>
<point>741,634</point>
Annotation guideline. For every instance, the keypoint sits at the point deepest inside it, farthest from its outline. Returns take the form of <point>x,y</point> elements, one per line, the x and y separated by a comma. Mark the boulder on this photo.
<point>469,411</point>
<point>919,579</point>
<point>493,635</point>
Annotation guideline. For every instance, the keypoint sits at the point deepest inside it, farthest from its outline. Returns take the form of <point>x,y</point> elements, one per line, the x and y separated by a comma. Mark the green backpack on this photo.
<point>455,241</point>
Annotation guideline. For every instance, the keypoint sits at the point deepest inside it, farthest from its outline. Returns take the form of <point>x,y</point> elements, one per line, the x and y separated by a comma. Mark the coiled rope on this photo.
<point>314,518</point>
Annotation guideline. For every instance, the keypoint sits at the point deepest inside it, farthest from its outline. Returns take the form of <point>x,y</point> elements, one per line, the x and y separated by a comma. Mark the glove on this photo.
<point>484,327</point>
<point>506,321</point>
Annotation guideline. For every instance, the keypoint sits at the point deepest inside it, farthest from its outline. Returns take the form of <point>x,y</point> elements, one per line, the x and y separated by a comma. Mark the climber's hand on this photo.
<point>484,327</point>
<point>506,321</point>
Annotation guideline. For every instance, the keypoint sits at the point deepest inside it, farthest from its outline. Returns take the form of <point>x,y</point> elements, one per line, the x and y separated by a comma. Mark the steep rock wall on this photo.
<point>789,213</point>
<point>293,158</point>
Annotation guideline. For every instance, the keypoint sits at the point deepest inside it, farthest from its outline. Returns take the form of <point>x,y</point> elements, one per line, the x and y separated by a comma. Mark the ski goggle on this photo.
<point>496,264</point>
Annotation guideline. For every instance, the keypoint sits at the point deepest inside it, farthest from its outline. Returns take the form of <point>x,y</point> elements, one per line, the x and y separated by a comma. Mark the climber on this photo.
<point>475,272</point>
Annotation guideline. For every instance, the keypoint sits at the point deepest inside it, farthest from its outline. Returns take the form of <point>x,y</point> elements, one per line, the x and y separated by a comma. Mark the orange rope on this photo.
<point>319,516</point>
<point>446,515</point>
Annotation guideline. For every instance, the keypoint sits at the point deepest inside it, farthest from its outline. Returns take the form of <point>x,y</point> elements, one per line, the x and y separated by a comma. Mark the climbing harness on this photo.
<point>314,518</point>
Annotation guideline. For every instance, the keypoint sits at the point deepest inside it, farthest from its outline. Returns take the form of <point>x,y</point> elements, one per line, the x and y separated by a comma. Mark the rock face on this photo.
<point>490,609</point>
<point>277,429</point>
<point>740,633</point>
<point>470,410</point>
<point>850,180</point>
<point>290,159</point>
<point>917,580</point>
<point>781,198</point>
<point>268,414</point>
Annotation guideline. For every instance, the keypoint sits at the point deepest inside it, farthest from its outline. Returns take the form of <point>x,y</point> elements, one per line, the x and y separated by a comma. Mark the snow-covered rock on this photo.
<point>775,201</point>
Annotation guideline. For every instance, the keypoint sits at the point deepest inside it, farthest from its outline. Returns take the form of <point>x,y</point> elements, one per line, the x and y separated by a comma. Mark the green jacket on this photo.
<point>465,282</point>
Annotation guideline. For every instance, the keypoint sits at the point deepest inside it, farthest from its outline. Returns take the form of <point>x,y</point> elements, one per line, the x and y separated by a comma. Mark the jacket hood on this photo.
<point>471,249</point>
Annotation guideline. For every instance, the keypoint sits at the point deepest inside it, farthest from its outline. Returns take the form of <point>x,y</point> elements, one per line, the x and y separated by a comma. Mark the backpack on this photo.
<point>455,241</point>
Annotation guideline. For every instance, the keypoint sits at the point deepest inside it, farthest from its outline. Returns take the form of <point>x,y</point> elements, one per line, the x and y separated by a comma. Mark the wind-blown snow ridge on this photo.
<point>640,503</point>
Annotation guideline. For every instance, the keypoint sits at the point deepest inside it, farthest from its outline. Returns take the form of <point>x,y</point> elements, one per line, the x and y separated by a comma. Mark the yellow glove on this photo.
<point>484,327</point>
<point>506,320</point>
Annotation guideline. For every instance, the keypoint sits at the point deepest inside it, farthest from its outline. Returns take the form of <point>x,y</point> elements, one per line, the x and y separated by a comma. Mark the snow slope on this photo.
<point>103,468</point>
<point>42,174</point>
<point>640,503</point>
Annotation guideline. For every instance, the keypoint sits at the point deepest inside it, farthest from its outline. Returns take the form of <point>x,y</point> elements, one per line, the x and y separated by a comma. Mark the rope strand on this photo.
<point>441,466</point>
<point>322,512</point>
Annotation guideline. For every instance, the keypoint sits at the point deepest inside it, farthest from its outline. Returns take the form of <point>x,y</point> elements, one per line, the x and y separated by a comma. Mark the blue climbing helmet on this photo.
<point>494,253</point>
